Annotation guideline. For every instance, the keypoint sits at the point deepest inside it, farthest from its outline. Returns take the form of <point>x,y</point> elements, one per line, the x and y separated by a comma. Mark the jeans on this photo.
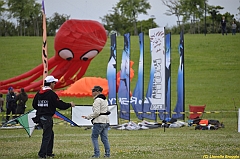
<point>47,136</point>
<point>102,130</point>
<point>233,31</point>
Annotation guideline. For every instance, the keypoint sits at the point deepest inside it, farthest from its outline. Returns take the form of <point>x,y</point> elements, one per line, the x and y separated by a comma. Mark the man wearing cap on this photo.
<point>100,121</point>
<point>45,102</point>
<point>11,103</point>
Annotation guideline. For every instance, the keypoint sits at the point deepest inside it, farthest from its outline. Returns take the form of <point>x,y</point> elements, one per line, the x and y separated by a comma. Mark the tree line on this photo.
<point>24,17</point>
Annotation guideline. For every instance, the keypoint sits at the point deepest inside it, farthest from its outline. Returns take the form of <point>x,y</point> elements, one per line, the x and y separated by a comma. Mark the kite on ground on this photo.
<point>27,123</point>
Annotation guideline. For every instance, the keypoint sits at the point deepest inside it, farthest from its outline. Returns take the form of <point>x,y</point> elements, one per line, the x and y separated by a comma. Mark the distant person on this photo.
<point>234,27</point>
<point>45,102</point>
<point>100,121</point>
<point>223,25</point>
<point>1,103</point>
<point>21,100</point>
<point>11,103</point>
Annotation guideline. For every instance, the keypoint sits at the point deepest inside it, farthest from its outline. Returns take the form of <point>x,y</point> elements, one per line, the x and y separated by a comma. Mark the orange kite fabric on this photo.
<point>83,87</point>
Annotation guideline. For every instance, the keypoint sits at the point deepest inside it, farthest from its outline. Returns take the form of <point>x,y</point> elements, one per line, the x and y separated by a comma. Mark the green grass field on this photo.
<point>212,73</point>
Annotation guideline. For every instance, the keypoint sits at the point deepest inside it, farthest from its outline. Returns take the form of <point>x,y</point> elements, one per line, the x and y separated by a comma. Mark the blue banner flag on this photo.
<point>166,113</point>
<point>137,99</point>
<point>180,82</point>
<point>124,86</point>
<point>111,73</point>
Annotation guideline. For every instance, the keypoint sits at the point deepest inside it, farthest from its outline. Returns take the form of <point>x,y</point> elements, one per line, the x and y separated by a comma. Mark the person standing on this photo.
<point>45,102</point>
<point>11,103</point>
<point>234,27</point>
<point>21,98</point>
<point>1,103</point>
<point>100,121</point>
<point>223,25</point>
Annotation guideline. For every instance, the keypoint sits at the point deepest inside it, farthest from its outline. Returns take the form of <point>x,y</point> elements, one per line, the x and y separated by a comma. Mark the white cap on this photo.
<point>50,79</point>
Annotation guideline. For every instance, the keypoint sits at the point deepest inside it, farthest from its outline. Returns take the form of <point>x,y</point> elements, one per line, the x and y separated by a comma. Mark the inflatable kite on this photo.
<point>82,87</point>
<point>76,43</point>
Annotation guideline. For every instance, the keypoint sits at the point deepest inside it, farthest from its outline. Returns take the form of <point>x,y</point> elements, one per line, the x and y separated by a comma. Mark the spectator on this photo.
<point>21,98</point>
<point>234,27</point>
<point>1,103</point>
<point>223,25</point>
<point>11,103</point>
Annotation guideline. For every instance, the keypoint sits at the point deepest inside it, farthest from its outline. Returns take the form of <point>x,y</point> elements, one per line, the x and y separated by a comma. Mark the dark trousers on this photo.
<point>11,108</point>
<point>20,109</point>
<point>47,136</point>
<point>224,30</point>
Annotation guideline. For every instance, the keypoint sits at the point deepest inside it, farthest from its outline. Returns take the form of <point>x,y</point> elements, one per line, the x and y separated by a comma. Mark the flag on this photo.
<point>111,73</point>
<point>124,86</point>
<point>180,81</point>
<point>157,38</point>
<point>166,113</point>
<point>137,96</point>
<point>44,46</point>
<point>155,97</point>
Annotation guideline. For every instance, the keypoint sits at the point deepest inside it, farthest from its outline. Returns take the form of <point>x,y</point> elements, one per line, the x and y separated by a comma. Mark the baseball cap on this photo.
<point>50,79</point>
<point>10,88</point>
<point>97,88</point>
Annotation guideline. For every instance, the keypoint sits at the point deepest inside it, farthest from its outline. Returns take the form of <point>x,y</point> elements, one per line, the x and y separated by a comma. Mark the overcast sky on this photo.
<point>93,9</point>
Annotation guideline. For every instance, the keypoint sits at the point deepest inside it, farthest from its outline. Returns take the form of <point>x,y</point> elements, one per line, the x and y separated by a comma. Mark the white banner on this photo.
<point>79,111</point>
<point>157,39</point>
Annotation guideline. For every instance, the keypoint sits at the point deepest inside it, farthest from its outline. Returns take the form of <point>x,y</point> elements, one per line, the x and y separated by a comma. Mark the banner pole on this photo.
<point>44,45</point>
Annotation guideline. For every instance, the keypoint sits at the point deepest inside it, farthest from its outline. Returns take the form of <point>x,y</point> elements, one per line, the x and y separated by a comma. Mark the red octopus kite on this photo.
<point>76,43</point>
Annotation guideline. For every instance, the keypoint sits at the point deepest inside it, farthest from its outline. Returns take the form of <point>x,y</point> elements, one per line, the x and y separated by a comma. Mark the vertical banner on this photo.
<point>167,112</point>
<point>157,39</point>
<point>124,87</point>
<point>180,82</point>
<point>111,73</point>
<point>44,46</point>
<point>137,98</point>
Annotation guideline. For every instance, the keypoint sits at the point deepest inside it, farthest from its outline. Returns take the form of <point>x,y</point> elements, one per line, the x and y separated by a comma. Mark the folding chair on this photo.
<point>196,111</point>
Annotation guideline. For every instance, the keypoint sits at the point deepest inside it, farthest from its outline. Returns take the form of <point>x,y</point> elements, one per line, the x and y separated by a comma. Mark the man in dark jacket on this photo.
<point>223,25</point>
<point>45,102</point>
<point>11,103</point>
<point>21,98</point>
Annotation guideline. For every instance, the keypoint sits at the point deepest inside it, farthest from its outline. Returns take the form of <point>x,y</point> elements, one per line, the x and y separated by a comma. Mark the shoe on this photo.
<point>50,156</point>
<point>41,157</point>
<point>93,156</point>
<point>106,156</point>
